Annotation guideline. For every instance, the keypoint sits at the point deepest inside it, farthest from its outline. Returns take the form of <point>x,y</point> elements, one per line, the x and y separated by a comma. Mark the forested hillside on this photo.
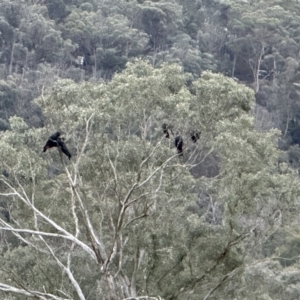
<point>180,121</point>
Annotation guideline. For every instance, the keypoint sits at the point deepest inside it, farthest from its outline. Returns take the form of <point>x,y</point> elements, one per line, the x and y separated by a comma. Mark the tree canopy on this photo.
<point>128,217</point>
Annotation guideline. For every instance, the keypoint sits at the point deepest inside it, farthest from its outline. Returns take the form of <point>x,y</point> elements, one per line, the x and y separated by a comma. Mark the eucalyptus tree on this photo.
<point>127,216</point>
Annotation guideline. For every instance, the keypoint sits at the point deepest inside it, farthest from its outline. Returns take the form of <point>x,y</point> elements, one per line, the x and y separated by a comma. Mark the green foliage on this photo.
<point>195,223</point>
<point>160,230</point>
<point>57,9</point>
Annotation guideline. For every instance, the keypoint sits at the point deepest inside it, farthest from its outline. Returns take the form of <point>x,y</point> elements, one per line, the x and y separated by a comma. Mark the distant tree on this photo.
<point>9,97</point>
<point>57,9</point>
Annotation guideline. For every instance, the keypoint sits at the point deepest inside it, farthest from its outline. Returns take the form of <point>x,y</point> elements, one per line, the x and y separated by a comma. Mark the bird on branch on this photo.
<point>179,145</point>
<point>167,129</point>
<point>195,135</point>
<point>56,141</point>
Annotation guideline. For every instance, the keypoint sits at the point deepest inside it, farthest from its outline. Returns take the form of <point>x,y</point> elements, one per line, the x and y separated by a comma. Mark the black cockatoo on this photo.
<point>63,147</point>
<point>195,135</point>
<point>179,145</point>
<point>56,141</point>
<point>52,141</point>
<point>167,129</point>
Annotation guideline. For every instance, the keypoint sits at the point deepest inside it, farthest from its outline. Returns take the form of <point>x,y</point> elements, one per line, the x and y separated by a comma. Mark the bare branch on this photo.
<point>157,169</point>
<point>134,219</point>
<point>66,235</point>
<point>32,294</point>
<point>222,281</point>
<point>66,270</point>
<point>89,225</point>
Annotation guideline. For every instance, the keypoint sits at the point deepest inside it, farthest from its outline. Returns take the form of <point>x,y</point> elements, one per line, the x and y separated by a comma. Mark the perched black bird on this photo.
<point>166,128</point>
<point>52,141</point>
<point>63,147</point>
<point>195,135</point>
<point>179,145</point>
<point>56,141</point>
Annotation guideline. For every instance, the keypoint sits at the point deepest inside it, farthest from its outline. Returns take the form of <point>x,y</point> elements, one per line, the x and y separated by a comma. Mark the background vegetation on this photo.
<point>127,218</point>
